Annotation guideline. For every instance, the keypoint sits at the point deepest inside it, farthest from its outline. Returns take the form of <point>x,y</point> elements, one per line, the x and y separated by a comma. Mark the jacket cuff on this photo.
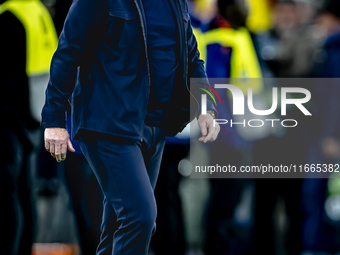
<point>210,107</point>
<point>53,121</point>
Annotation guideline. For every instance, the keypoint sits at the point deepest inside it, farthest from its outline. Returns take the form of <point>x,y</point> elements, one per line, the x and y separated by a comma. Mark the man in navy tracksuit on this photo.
<point>124,67</point>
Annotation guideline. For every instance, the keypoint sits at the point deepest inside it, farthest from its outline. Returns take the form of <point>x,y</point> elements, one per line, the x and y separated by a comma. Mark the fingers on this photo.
<point>58,149</point>
<point>217,130</point>
<point>203,127</point>
<point>57,141</point>
<point>210,134</point>
<point>64,147</point>
<point>47,145</point>
<point>58,152</point>
<point>70,146</point>
<point>63,151</point>
<point>209,130</point>
<point>52,148</point>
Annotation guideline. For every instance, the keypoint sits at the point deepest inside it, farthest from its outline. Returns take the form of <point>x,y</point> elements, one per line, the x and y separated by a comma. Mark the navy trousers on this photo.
<point>127,171</point>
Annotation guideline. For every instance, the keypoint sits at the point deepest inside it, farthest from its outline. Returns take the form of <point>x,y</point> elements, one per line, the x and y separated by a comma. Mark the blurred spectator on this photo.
<point>323,142</point>
<point>328,64</point>
<point>28,41</point>
<point>286,49</point>
<point>169,237</point>
<point>258,19</point>
<point>226,46</point>
<point>268,236</point>
<point>289,47</point>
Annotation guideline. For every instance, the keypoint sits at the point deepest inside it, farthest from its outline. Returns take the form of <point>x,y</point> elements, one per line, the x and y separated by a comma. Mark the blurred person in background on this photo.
<point>292,49</point>
<point>222,235</point>
<point>277,197</point>
<point>329,24</point>
<point>286,48</point>
<point>290,45</point>
<point>322,136</point>
<point>228,50</point>
<point>28,40</point>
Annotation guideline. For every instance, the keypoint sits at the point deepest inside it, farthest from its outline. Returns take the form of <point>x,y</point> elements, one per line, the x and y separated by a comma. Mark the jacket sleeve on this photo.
<point>196,67</point>
<point>82,25</point>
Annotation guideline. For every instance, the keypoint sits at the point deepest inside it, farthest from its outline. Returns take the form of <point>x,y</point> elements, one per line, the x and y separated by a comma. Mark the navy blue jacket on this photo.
<point>101,69</point>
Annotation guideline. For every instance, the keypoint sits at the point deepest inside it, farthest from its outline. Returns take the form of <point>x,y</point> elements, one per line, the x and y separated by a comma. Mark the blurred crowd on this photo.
<point>255,39</point>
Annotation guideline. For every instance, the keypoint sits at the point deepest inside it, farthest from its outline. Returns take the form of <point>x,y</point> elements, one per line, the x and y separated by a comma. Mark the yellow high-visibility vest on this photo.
<point>244,63</point>
<point>201,46</point>
<point>41,36</point>
<point>245,70</point>
<point>259,18</point>
<point>41,43</point>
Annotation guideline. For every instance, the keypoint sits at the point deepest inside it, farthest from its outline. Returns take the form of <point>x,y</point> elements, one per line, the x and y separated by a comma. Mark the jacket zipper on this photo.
<point>146,56</point>
<point>187,61</point>
<point>186,55</point>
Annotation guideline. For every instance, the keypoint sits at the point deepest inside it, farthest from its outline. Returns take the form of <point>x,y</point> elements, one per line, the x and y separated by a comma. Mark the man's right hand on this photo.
<point>57,142</point>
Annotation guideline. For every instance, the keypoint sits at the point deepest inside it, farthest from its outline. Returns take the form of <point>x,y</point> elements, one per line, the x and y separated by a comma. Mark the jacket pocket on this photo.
<point>124,30</point>
<point>123,14</point>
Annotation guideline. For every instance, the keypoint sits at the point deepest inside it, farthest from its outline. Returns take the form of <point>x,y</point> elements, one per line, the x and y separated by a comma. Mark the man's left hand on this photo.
<point>209,128</point>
